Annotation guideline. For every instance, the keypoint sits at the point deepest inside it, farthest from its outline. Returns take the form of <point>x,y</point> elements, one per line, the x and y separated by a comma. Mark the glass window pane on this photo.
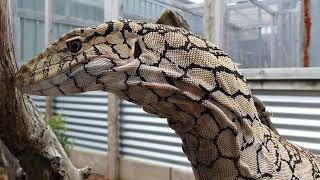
<point>264,34</point>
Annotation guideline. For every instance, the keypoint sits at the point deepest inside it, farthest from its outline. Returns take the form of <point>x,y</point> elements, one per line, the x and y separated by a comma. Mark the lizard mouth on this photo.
<point>32,81</point>
<point>29,80</point>
<point>68,77</point>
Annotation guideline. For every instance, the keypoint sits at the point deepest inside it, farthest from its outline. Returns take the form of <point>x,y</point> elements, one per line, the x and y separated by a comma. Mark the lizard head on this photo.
<point>138,61</point>
<point>78,60</point>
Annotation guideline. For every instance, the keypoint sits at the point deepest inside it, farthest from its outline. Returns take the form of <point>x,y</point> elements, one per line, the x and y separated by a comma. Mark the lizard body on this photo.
<point>174,18</point>
<point>174,74</point>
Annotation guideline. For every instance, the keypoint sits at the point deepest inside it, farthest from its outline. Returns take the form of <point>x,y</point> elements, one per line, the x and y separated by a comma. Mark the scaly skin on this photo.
<point>173,18</point>
<point>177,75</point>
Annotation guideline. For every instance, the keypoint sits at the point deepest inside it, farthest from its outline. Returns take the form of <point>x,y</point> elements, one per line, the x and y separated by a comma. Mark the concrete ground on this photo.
<point>97,177</point>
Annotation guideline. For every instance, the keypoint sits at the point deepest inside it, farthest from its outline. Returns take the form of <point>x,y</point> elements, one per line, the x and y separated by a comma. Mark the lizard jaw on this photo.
<point>77,78</point>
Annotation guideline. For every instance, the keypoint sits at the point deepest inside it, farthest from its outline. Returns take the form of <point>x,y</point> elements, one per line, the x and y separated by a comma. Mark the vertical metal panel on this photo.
<point>28,41</point>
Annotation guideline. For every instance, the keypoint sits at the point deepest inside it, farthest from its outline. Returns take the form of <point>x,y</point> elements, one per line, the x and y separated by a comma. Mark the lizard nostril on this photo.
<point>24,69</point>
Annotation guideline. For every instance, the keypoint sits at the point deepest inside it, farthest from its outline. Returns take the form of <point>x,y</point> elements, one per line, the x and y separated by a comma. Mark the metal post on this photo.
<point>16,28</point>
<point>260,63</point>
<point>67,7</point>
<point>47,41</point>
<point>307,29</point>
<point>274,44</point>
<point>213,21</point>
<point>113,10</point>
<point>47,22</point>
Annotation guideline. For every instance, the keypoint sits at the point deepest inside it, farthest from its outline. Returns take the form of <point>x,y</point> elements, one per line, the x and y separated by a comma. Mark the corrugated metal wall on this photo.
<point>86,119</point>
<point>296,114</point>
<point>85,116</point>
<point>68,14</point>
<point>148,137</point>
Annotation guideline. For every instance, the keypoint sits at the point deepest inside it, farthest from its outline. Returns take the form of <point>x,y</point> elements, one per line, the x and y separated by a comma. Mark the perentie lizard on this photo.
<point>174,18</point>
<point>174,74</point>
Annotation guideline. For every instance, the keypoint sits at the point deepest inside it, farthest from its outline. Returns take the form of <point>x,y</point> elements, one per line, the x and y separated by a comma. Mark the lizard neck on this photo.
<point>213,140</point>
<point>222,142</point>
<point>212,135</point>
<point>221,133</point>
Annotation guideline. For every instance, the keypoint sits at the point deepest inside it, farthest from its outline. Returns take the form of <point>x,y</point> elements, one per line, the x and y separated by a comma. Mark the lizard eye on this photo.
<point>74,46</point>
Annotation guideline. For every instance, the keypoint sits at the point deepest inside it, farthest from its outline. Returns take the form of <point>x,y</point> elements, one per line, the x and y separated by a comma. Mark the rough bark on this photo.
<point>22,130</point>
<point>9,165</point>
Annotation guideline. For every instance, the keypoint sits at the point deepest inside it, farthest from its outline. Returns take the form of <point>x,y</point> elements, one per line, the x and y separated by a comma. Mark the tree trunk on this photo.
<point>9,165</point>
<point>22,130</point>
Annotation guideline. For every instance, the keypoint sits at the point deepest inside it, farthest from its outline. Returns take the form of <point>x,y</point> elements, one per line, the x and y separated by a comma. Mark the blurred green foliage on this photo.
<point>58,126</point>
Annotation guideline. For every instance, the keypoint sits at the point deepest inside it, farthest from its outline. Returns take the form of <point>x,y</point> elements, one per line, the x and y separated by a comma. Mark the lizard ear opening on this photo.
<point>137,50</point>
<point>173,18</point>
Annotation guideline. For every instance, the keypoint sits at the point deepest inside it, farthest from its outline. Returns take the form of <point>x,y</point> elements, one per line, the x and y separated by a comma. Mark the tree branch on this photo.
<point>22,130</point>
